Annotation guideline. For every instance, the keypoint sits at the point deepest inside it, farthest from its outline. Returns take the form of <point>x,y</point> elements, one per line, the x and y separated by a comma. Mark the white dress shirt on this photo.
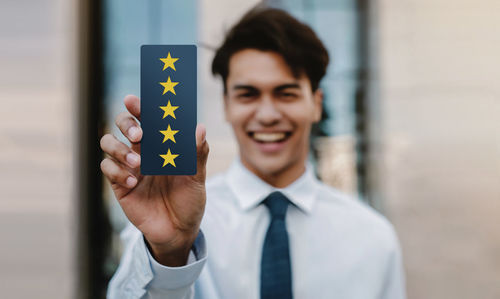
<point>339,247</point>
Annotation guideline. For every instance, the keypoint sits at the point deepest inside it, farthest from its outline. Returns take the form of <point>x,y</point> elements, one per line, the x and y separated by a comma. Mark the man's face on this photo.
<point>271,112</point>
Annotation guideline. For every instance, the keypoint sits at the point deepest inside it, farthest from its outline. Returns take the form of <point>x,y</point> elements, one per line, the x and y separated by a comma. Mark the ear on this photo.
<point>318,104</point>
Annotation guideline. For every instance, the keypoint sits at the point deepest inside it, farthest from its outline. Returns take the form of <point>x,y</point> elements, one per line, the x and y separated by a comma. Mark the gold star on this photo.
<point>169,158</point>
<point>169,62</point>
<point>169,86</point>
<point>169,134</point>
<point>169,110</point>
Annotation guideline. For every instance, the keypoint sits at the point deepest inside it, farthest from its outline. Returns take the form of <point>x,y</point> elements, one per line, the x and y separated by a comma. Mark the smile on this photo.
<point>271,137</point>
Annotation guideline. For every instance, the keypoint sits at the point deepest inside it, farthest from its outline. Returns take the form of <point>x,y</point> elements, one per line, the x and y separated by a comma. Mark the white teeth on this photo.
<point>268,137</point>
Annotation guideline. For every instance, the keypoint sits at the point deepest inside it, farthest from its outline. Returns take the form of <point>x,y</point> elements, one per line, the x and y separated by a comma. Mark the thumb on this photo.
<point>201,153</point>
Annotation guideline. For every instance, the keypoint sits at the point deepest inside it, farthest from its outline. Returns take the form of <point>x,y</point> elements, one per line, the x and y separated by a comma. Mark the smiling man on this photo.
<point>271,111</point>
<point>271,228</point>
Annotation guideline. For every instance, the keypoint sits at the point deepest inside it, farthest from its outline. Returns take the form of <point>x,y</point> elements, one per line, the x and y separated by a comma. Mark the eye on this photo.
<point>289,96</point>
<point>246,96</point>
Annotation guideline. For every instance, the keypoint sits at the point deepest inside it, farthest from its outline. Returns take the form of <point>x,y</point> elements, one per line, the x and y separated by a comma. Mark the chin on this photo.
<point>270,166</point>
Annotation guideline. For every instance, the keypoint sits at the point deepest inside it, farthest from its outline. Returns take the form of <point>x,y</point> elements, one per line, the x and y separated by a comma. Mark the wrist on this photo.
<point>171,255</point>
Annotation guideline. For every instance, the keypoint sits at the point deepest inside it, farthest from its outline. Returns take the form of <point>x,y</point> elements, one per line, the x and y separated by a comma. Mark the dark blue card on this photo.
<point>168,109</point>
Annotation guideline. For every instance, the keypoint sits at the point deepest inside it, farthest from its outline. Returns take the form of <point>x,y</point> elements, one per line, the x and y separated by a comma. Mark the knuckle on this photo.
<point>111,170</point>
<point>121,117</point>
<point>110,144</point>
<point>105,141</point>
<point>103,165</point>
<point>113,174</point>
<point>101,142</point>
<point>106,166</point>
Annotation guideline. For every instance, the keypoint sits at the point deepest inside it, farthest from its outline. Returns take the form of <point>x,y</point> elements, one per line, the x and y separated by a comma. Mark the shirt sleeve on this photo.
<point>177,282</point>
<point>140,276</point>
<point>394,284</point>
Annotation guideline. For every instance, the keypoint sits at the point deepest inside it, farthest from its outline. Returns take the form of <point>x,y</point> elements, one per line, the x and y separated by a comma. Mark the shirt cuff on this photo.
<point>171,278</point>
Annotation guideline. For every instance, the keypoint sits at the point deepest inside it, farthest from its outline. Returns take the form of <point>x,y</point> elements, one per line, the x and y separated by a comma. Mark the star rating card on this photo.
<point>168,109</point>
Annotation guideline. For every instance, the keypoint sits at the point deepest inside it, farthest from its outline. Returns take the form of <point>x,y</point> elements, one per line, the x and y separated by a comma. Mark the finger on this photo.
<point>116,174</point>
<point>133,105</point>
<point>202,150</point>
<point>119,151</point>
<point>129,127</point>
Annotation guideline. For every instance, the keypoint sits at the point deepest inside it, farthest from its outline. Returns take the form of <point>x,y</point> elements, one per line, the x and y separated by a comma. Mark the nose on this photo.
<point>267,113</point>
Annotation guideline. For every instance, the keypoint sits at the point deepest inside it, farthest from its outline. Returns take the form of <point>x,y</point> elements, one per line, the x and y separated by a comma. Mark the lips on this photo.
<point>270,143</point>
<point>269,137</point>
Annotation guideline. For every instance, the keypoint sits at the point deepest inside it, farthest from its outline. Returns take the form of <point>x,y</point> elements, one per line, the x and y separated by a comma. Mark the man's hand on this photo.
<point>166,209</point>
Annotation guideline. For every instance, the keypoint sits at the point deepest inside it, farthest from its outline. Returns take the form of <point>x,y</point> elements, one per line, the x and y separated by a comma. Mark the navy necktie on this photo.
<point>275,269</point>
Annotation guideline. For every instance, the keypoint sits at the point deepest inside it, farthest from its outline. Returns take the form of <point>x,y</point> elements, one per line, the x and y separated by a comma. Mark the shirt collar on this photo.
<point>250,190</point>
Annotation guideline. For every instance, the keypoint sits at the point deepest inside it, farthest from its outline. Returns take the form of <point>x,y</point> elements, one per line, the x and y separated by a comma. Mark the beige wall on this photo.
<point>36,138</point>
<point>439,70</point>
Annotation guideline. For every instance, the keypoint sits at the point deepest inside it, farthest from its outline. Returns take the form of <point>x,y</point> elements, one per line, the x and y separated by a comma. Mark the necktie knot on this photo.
<point>277,203</point>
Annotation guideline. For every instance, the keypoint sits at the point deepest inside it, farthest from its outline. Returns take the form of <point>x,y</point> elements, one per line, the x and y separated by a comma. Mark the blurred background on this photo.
<point>411,126</point>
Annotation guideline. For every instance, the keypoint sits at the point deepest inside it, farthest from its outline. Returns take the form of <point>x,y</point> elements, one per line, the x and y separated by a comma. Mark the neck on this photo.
<point>281,178</point>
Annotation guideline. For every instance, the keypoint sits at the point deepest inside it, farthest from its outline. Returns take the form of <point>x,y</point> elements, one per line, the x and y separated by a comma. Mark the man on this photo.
<point>271,228</point>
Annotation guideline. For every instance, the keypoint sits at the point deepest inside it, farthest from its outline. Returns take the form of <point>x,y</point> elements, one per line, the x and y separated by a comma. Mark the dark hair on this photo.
<point>270,29</point>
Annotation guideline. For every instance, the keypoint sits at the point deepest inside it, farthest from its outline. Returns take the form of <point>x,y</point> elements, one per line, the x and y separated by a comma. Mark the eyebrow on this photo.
<point>278,88</point>
<point>245,87</point>
<point>286,86</point>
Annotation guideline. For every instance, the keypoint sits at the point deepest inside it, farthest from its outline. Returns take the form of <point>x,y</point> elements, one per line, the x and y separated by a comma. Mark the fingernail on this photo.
<point>133,159</point>
<point>133,133</point>
<point>131,181</point>
<point>203,137</point>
